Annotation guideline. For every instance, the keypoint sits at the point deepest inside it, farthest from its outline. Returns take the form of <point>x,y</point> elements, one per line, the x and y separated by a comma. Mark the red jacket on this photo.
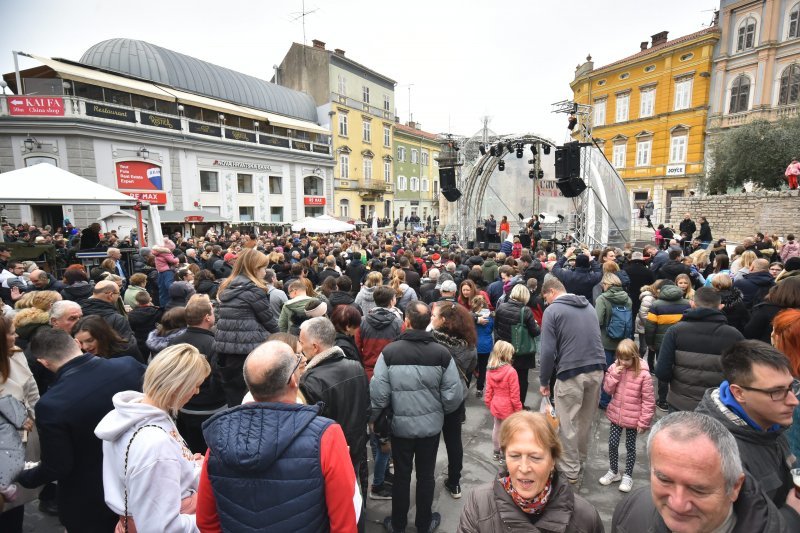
<point>632,401</point>
<point>341,491</point>
<point>502,391</point>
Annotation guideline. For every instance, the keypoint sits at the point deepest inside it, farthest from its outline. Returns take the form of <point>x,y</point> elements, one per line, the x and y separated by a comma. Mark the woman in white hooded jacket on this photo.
<point>156,490</point>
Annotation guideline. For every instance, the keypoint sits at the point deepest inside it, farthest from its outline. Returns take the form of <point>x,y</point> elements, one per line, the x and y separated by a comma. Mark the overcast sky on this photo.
<point>463,59</point>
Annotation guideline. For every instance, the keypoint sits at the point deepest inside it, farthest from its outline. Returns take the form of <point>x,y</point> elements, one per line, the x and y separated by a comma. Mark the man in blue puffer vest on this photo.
<point>274,464</point>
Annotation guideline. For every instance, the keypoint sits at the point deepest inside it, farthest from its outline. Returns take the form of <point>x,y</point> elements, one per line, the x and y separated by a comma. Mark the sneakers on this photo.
<point>479,393</point>
<point>612,477</point>
<point>626,485</point>
<point>380,492</point>
<point>387,525</point>
<point>388,479</point>
<point>454,490</point>
<point>436,520</point>
<point>662,406</point>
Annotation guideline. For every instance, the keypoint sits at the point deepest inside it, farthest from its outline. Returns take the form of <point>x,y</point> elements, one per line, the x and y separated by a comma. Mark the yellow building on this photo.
<point>649,114</point>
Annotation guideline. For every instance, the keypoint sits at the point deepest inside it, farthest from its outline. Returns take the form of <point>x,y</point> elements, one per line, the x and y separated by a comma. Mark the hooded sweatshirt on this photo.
<point>378,328</point>
<point>570,336</point>
<point>161,469</point>
<point>365,300</point>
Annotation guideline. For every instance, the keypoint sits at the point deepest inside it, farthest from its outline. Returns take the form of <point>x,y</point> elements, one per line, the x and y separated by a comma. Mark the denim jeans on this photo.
<point>381,460</point>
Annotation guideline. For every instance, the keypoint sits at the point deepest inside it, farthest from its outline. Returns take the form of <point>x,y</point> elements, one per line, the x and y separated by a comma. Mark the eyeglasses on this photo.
<point>296,366</point>
<point>778,395</point>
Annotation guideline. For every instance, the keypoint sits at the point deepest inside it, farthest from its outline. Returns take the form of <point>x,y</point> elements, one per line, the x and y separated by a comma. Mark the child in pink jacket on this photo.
<point>632,406</point>
<point>501,393</point>
<point>164,262</point>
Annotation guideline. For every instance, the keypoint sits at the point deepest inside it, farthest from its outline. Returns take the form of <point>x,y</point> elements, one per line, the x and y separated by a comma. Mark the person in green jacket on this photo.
<point>613,295</point>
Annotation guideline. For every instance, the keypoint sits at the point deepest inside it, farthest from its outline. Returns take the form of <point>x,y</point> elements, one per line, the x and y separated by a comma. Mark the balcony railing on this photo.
<point>72,108</point>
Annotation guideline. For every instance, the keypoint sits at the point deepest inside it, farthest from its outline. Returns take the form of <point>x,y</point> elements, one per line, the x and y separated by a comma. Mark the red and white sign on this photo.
<point>35,106</point>
<point>154,198</point>
<point>138,175</point>
<point>314,200</point>
<point>194,218</point>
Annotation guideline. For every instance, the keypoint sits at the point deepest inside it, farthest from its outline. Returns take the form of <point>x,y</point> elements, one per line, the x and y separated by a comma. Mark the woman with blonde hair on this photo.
<point>150,475</point>
<point>502,390</point>
<point>365,299</point>
<point>685,283</point>
<point>530,492</point>
<point>245,320</point>
<point>733,302</point>
<point>33,312</point>
<point>405,294</point>
<point>741,266</point>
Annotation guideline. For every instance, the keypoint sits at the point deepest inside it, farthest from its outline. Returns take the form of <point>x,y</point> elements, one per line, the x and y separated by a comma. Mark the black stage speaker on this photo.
<point>480,234</point>
<point>447,182</point>
<point>452,195</point>
<point>568,161</point>
<point>571,187</point>
<point>470,244</point>
<point>525,240</point>
<point>493,246</point>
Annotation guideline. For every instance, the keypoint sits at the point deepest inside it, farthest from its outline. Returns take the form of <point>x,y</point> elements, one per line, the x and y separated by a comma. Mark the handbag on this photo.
<point>520,336</point>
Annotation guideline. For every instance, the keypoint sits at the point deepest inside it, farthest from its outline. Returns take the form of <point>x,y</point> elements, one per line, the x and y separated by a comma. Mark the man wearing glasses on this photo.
<point>755,403</point>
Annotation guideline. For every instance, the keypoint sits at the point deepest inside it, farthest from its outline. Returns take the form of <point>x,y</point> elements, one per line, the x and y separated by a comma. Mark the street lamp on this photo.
<point>143,152</point>
<point>31,143</point>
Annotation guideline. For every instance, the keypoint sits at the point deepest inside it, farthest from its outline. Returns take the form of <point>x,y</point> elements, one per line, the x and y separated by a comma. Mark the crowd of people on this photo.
<point>259,381</point>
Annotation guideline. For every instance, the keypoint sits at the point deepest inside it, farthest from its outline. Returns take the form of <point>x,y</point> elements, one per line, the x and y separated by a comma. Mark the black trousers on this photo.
<point>483,361</point>
<point>451,432</point>
<point>522,373</point>
<point>233,385</point>
<point>191,429</point>
<point>410,453</point>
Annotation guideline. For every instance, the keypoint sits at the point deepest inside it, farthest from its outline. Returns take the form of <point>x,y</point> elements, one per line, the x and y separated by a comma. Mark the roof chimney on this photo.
<point>659,38</point>
<point>643,45</point>
<point>411,125</point>
<point>318,44</point>
<point>339,52</point>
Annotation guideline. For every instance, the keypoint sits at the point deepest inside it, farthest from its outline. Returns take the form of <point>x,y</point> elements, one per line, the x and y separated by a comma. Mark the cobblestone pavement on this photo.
<point>479,468</point>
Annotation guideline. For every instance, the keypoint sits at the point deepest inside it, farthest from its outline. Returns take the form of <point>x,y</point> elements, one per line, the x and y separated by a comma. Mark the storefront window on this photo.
<point>312,186</point>
<point>275,185</point>
<point>112,96</point>
<point>315,211</point>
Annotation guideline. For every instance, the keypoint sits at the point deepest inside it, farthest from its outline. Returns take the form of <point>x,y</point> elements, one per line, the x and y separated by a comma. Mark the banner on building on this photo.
<point>139,175</point>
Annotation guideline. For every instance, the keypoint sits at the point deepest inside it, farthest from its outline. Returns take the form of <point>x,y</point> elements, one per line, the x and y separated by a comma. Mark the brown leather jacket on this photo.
<point>489,509</point>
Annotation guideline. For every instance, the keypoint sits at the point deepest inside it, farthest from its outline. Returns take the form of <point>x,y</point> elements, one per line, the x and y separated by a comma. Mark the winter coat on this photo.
<point>759,326</point>
<point>735,310</point>
<point>490,271</point>
<point>78,292</point>
<point>338,298</point>
<point>664,312</point>
<point>485,335</point>
<point>378,328</point>
<point>640,276</point>
<point>501,394</point>
<point>613,297</point>
<point>632,400</point>
<point>672,268</point>
<point>130,294</point>
<point>465,356</point>
<point>109,313</point>
<point>209,287</point>
<point>12,416</point>
<point>211,397</point>
<point>507,316</point>
<point>161,470</point>
<point>790,249</point>
<point>27,322</point>
<point>535,271</point>
<point>646,300</point>
<point>754,287</point>
<point>245,317</point>
<point>489,509</point>
<point>754,512</point>
<point>365,299</point>
<point>580,281</point>
<point>143,320</point>
<point>356,271</point>
<point>293,314</point>
<point>343,388</point>
<point>157,342</point>
<point>179,294</point>
<point>417,376</point>
<point>649,208</point>
<point>348,345</point>
<point>408,296</point>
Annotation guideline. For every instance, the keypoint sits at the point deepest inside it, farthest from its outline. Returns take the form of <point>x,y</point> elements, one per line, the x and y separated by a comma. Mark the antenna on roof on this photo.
<point>302,16</point>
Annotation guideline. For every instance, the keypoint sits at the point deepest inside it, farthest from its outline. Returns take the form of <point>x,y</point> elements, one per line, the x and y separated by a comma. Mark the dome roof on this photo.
<point>160,65</point>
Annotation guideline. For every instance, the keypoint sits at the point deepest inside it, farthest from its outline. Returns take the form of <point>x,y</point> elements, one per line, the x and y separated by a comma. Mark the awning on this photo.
<point>179,217</point>
<point>46,184</point>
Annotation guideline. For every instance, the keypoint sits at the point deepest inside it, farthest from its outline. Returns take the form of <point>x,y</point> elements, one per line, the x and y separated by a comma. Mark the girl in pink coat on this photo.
<point>501,392</point>
<point>632,406</point>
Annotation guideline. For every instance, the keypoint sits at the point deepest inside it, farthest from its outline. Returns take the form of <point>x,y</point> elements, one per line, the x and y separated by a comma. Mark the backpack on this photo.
<point>620,323</point>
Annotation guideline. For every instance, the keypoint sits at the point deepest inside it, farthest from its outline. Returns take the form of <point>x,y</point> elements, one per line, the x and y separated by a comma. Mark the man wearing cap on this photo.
<point>226,267</point>
<point>581,280</point>
<point>448,291</point>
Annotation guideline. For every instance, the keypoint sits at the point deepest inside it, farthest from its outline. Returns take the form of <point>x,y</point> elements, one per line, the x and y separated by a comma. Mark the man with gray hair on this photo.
<point>64,314</point>
<point>274,464</point>
<point>277,297</point>
<point>341,385</point>
<point>116,255</point>
<point>697,483</point>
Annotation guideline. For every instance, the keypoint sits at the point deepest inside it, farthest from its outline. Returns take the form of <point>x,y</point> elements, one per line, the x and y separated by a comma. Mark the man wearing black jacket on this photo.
<point>673,267</point>
<point>211,398</point>
<point>687,226</point>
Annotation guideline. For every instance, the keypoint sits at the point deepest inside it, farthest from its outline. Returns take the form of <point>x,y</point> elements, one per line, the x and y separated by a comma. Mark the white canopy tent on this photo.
<point>46,184</point>
<point>322,224</point>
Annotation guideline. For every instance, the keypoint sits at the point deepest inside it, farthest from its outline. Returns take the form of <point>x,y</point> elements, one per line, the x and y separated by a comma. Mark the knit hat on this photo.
<point>437,259</point>
<point>582,261</point>
<point>314,309</point>
<point>448,286</point>
<point>792,264</point>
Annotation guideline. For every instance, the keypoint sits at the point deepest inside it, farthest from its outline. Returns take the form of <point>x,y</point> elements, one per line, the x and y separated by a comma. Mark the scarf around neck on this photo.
<point>534,506</point>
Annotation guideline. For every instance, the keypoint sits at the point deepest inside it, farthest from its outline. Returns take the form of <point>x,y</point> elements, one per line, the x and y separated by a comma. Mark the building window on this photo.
<point>414,156</point>
<point>436,159</point>
<point>623,103</point>
<point>649,68</point>
<point>245,183</point>
<point>425,158</point>
<point>387,135</point>
<point>276,214</point>
<point>687,57</point>
<point>683,94</point>
<point>387,104</point>
<point>368,169</point>
<point>342,85</point>
<point>600,112</point>
<point>209,181</point>
<point>401,153</point>
<point>246,213</point>
<point>275,185</point>
<point>643,149</point>
<point>344,207</point>
<point>387,172</point>
<point>344,166</point>
<point>343,125</point>
<point>313,186</point>
<point>425,185</point>
<point>648,102</point>
<point>740,94</point>
<point>624,75</point>
<point>794,18</point>
<point>677,149</point>
<point>746,35</point>
<point>365,94</point>
<point>414,184</point>
<point>401,183</point>
<point>618,156</point>
<point>435,188</point>
<point>367,132</point>
<point>790,85</point>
